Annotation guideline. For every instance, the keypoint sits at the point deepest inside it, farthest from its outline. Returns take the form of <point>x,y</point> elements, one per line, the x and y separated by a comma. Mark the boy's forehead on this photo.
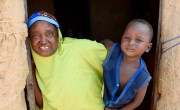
<point>137,26</point>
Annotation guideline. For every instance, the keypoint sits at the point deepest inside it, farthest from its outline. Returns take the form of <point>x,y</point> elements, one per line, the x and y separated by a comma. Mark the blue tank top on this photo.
<point>111,79</point>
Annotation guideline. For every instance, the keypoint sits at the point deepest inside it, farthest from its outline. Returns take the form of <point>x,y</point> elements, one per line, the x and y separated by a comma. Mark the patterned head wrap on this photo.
<point>44,16</point>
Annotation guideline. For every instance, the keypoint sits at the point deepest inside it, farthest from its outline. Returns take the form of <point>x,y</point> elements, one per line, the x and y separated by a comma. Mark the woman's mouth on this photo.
<point>44,47</point>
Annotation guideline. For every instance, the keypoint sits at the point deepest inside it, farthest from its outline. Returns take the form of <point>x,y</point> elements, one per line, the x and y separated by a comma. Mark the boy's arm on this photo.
<point>37,91</point>
<point>107,43</point>
<point>137,100</point>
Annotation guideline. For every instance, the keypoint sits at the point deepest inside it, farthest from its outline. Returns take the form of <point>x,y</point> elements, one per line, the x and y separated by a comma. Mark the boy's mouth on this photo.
<point>130,49</point>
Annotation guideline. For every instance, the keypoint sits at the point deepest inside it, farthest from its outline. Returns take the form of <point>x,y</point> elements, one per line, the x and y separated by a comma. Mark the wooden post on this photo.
<point>30,96</point>
<point>167,87</point>
<point>13,55</point>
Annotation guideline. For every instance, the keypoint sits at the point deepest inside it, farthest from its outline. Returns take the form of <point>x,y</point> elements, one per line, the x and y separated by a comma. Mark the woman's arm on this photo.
<point>38,94</point>
<point>137,100</point>
<point>107,43</point>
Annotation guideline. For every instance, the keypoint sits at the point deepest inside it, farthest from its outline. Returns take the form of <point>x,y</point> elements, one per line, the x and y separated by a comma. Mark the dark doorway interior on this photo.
<point>100,19</point>
<point>73,17</point>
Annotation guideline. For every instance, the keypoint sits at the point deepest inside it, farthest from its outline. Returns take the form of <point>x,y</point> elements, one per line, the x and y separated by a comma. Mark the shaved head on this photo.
<point>144,22</point>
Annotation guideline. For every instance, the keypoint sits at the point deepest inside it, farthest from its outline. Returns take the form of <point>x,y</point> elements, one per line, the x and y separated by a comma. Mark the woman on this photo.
<point>68,71</point>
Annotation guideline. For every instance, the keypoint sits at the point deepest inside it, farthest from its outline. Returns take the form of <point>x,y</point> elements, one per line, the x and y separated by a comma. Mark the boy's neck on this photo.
<point>131,61</point>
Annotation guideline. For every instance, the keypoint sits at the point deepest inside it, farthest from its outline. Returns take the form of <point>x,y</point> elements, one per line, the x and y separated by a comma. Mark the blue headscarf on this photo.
<point>44,16</point>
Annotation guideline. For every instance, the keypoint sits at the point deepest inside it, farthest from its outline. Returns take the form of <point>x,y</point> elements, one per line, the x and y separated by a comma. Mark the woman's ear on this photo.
<point>149,47</point>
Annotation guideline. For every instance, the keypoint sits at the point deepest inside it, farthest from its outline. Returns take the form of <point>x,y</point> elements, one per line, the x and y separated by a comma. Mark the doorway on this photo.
<point>100,19</point>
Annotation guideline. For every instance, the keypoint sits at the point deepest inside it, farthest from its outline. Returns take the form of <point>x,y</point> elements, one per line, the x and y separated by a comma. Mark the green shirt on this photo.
<point>71,79</point>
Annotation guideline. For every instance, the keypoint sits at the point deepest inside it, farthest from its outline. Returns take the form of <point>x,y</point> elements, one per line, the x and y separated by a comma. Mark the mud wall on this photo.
<point>13,55</point>
<point>168,86</point>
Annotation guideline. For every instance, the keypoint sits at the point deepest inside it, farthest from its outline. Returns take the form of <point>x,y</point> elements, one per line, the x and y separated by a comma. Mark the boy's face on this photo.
<point>136,40</point>
<point>44,38</point>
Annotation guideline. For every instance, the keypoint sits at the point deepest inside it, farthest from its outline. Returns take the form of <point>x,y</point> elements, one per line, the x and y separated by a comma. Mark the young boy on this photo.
<point>126,77</point>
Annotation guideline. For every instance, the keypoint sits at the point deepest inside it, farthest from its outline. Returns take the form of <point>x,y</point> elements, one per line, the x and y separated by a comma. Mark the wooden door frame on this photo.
<point>29,90</point>
<point>155,93</point>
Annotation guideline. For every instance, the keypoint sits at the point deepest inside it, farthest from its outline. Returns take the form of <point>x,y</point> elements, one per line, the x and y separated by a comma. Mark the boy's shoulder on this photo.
<point>144,69</point>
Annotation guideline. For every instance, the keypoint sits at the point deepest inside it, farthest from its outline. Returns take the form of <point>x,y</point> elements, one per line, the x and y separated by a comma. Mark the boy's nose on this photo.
<point>131,42</point>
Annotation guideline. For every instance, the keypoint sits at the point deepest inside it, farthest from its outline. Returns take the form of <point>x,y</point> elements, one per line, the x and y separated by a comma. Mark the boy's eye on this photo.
<point>138,40</point>
<point>126,38</point>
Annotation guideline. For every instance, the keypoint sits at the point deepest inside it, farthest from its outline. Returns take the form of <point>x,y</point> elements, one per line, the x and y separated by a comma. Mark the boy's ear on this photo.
<point>149,47</point>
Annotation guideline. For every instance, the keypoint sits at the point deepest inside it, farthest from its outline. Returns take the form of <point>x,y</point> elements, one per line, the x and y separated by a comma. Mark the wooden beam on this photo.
<point>30,97</point>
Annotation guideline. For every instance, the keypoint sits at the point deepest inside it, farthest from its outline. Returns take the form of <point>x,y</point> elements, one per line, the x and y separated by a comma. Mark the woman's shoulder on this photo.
<point>82,43</point>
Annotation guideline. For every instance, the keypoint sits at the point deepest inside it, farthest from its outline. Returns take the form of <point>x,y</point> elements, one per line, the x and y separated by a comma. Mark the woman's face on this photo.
<point>44,38</point>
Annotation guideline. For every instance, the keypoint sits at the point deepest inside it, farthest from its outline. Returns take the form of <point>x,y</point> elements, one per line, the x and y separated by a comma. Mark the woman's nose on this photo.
<point>43,40</point>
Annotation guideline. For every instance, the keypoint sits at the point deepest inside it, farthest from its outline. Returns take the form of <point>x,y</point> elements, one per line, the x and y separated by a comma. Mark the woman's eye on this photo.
<point>35,36</point>
<point>50,34</point>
